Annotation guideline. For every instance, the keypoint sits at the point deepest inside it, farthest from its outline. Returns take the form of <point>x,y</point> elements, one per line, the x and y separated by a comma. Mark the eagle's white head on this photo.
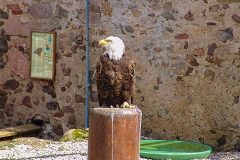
<point>114,47</point>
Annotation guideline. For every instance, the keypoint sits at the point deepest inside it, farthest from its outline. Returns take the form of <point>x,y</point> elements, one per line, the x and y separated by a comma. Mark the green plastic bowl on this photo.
<point>173,149</point>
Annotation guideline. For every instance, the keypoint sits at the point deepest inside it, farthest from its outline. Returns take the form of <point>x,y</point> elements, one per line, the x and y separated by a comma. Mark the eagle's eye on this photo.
<point>109,41</point>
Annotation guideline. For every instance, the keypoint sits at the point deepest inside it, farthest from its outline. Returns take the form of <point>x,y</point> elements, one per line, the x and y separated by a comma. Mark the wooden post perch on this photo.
<point>114,134</point>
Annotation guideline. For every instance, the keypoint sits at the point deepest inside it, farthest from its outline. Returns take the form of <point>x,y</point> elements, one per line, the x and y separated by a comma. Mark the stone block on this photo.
<point>12,23</point>
<point>15,9</point>
<point>41,10</point>
<point>19,64</point>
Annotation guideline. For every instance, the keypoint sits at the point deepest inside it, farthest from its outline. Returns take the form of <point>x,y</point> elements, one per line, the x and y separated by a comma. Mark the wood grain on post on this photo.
<point>114,134</point>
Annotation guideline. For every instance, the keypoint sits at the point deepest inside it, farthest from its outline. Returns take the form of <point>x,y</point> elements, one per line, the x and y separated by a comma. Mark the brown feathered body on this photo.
<point>115,80</point>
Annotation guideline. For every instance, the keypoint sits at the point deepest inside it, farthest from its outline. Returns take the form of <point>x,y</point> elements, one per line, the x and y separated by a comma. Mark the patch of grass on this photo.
<point>65,139</point>
<point>75,134</point>
<point>80,133</point>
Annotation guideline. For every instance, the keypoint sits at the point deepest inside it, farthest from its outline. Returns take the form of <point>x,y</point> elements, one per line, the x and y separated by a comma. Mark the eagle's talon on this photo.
<point>127,105</point>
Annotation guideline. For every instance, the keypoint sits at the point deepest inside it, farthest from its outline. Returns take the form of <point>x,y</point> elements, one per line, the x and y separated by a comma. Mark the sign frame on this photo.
<point>43,55</point>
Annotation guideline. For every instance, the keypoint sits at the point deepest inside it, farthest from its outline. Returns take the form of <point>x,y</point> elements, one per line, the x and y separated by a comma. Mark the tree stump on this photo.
<point>114,134</point>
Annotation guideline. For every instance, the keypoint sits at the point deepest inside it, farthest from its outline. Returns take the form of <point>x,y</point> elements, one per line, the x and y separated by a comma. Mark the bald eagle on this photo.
<point>114,75</point>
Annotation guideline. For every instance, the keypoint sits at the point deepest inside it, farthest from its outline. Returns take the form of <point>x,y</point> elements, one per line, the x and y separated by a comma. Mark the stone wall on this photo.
<point>187,58</point>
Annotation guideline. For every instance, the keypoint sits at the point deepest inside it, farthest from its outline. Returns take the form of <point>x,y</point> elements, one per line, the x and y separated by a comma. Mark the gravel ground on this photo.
<point>60,151</point>
<point>224,156</point>
<point>53,151</point>
<point>72,150</point>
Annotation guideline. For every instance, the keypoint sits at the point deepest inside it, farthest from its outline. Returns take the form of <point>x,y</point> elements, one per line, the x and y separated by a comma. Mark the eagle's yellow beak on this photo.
<point>103,42</point>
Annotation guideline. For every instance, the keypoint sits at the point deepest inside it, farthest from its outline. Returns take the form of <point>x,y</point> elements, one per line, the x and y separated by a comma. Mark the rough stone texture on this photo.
<point>225,35</point>
<point>58,129</point>
<point>61,13</point>
<point>198,52</point>
<point>79,99</point>
<point>3,93</point>
<point>3,100</point>
<point>58,114</point>
<point>213,8</point>
<point>68,109</point>
<point>9,110</point>
<point>29,87</point>
<point>4,35</point>
<point>72,119</point>
<point>11,84</point>
<point>12,22</point>
<point>2,117</point>
<point>39,118</point>
<point>66,70</point>
<point>95,18</point>
<point>129,29</point>
<point>52,105</point>
<point>94,96</point>
<point>189,16</point>
<point>48,88</point>
<point>168,16</point>
<point>15,9</point>
<point>181,36</point>
<point>221,141</point>
<point>36,101</point>
<point>68,99</point>
<point>26,102</point>
<point>2,64</point>
<point>3,15</point>
<point>236,18</point>
<point>106,9</point>
<point>211,49</point>
<point>3,46</point>
<point>41,10</point>
<point>186,55</point>
<point>20,65</point>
